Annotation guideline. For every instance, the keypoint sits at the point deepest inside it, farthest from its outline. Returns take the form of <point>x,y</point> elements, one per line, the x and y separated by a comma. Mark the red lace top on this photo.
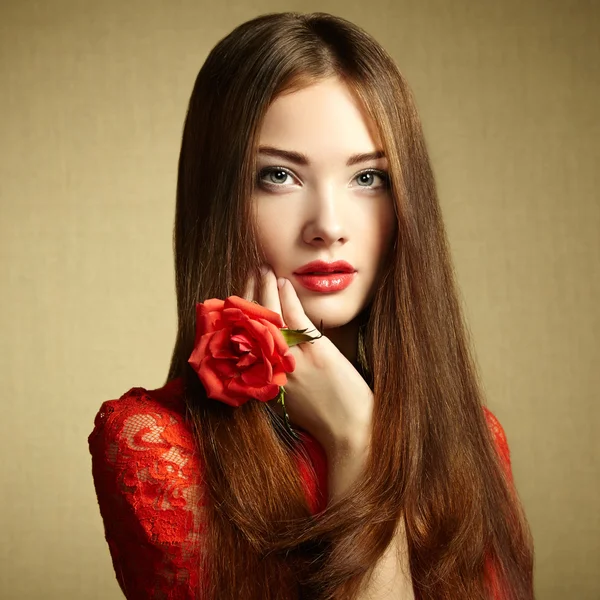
<point>148,482</point>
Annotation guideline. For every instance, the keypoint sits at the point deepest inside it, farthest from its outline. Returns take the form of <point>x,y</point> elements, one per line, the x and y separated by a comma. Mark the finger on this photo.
<point>250,290</point>
<point>269,295</point>
<point>292,309</point>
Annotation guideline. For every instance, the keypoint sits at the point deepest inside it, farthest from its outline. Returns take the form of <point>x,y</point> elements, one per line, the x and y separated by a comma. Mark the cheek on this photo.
<point>378,230</point>
<point>272,229</point>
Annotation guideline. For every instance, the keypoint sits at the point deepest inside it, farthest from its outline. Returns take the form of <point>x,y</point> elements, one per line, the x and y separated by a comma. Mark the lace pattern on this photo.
<point>500,442</point>
<point>148,485</point>
<point>147,475</point>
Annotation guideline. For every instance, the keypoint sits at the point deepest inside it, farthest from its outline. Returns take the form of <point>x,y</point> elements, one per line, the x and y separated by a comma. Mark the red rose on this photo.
<point>239,351</point>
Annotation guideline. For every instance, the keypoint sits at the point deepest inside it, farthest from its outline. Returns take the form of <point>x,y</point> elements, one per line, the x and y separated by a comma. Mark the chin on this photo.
<point>334,309</point>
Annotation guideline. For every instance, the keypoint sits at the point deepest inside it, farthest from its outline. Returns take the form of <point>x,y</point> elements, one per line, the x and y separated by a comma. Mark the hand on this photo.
<point>325,395</point>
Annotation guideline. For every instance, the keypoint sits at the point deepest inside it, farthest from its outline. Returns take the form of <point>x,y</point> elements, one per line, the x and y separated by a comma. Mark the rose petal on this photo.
<point>213,304</point>
<point>246,360</point>
<point>279,378</point>
<point>213,384</point>
<point>239,352</point>
<point>226,369</point>
<point>208,322</point>
<point>261,335</point>
<point>233,316</point>
<point>254,310</point>
<point>258,374</point>
<point>219,345</point>
<point>280,345</point>
<point>217,389</point>
<point>199,352</point>
<point>235,400</point>
<point>208,316</point>
<point>244,343</point>
<point>263,393</point>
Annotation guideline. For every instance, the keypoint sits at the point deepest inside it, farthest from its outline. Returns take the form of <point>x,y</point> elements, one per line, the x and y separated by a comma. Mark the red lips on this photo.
<point>320,266</point>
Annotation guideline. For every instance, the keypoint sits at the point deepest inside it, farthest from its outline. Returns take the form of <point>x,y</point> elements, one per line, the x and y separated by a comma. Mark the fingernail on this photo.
<point>280,282</point>
<point>264,269</point>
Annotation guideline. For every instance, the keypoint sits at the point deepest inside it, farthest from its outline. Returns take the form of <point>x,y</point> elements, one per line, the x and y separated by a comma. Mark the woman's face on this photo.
<point>322,195</point>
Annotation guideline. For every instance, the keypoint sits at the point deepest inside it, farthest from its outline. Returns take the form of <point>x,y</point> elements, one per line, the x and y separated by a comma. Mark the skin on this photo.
<point>324,210</point>
<point>330,210</point>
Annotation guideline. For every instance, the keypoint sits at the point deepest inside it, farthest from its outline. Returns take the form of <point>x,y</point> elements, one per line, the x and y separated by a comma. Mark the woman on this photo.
<point>302,144</point>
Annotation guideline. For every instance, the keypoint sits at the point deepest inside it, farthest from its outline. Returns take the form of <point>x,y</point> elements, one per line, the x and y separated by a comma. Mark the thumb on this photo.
<point>292,309</point>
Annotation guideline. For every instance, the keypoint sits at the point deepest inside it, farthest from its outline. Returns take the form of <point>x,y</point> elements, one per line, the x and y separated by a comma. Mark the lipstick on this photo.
<point>324,277</point>
<point>326,283</point>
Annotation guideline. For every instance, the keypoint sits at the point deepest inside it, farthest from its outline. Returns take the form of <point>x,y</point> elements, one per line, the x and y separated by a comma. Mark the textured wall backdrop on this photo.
<point>93,100</point>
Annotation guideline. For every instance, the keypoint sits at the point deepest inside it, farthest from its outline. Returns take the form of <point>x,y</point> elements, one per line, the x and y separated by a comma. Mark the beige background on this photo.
<point>93,97</point>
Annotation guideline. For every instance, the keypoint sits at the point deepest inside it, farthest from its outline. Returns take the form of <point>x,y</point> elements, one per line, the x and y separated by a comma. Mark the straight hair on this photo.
<point>432,462</point>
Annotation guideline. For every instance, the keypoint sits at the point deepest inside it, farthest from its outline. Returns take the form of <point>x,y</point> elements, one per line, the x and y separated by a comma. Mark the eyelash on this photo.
<point>270,185</point>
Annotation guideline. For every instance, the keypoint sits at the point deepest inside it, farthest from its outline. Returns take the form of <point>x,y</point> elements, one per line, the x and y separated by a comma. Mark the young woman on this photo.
<point>305,186</point>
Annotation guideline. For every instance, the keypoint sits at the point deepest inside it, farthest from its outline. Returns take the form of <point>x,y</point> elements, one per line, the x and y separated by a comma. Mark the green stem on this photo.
<point>281,400</point>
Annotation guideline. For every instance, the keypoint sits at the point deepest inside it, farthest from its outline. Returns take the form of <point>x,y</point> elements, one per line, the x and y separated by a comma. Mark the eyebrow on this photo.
<point>301,159</point>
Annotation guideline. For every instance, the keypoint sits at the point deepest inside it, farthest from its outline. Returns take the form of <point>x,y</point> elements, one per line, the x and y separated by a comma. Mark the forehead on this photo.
<point>323,119</point>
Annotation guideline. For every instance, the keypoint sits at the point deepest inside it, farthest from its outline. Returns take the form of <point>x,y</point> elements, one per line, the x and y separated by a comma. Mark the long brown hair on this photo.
<point>432,461</point>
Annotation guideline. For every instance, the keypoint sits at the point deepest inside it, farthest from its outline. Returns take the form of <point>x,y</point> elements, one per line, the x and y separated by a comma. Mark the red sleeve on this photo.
<point>500,442</point>
<point>147,480</point>
<point>501,445</point>
<point>313,470</point>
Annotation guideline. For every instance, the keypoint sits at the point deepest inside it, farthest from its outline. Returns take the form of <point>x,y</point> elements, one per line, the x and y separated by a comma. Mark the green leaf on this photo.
<point>298,336</point>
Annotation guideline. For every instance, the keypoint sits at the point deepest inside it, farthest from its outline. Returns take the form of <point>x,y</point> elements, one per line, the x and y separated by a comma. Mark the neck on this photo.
<point>345,338</point>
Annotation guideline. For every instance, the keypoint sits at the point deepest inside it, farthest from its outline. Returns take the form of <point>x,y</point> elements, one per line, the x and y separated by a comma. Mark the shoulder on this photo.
<point>147,477</point>
<point>142,441</point>
<point>139,412</point>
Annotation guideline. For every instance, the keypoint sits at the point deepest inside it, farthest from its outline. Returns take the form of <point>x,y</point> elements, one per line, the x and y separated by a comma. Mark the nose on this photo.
<point>325,223</point>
